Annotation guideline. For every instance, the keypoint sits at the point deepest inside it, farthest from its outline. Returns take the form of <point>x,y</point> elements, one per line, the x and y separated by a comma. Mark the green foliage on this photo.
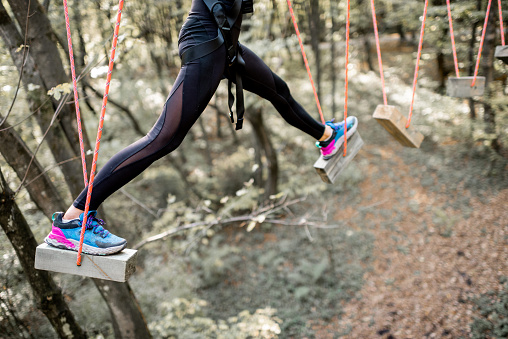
<point>214,261</point>
<point>231,175</point>
<point>444,222</point>
<point>292,275</point>
<point>245,199</point>
<point>57,91</point>
<point>187,319</point>
<point>15,302</point>
<point>492,307</point>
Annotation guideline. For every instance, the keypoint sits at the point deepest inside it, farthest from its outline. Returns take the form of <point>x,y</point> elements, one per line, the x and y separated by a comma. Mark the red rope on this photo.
<point>346,75</point>
<point>305,60</point>
<point>501,21</point>
<point>378,47</point>
<point>481,43</point>
<point>454,49</point>
<point>417,68</point>
<point>75,86</point>
<point>99,130</point>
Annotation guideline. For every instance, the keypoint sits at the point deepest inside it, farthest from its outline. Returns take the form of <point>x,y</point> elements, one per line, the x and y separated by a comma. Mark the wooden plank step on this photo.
<point>329,170</point>
<point>461,87</point>
<point>395,123</point>
<point>502,53</point>
<point>116,267</point>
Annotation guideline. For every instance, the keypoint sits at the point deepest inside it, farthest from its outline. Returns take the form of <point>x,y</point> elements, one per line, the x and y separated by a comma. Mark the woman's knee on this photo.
<point>281,87</point>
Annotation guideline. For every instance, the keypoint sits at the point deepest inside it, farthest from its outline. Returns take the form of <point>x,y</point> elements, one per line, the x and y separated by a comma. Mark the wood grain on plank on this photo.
<point>116,267</point>
<point>395,123</point>
<point>329,170</point>
<point>502,53</point>
<point>461,87</point>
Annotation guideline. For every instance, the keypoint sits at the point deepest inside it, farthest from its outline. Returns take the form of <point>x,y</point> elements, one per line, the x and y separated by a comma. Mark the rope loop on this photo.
<point>348,22</point>
<point>99,129</point>
<point>417,68</point>
<point>293,18</point>
<point>477,67</point>
<point>501,21</point>
<point>378,48</point>
<point>101,120</point>
<point>75,87</point>
<point>452,35</point>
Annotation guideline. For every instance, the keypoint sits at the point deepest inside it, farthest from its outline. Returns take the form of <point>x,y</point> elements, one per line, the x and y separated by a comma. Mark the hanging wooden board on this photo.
<point>329,170</point>
<point>395,123</point>
<point>502,53</point>
<point>461,87</point>
<point>116,267</point>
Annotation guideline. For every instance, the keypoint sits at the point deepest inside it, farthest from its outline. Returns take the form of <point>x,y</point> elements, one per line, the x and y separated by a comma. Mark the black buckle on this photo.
<point>239,123</point>
<point>232,55</point>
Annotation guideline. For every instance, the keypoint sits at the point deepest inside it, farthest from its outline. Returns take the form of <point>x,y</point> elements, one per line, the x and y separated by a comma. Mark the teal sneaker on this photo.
<point>331,146</point>
<point>97,241</point>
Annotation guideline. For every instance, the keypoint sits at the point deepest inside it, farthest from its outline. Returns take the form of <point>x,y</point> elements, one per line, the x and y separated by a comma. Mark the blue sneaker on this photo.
<point>332,145</point>
<point>97,241</point>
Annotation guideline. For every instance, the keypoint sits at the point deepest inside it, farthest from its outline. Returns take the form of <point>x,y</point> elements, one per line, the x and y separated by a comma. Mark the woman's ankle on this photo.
<point>327,133</point>
<point>72,213</point>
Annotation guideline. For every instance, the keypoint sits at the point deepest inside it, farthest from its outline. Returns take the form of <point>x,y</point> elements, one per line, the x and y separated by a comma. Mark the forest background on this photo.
<point>237,235</point>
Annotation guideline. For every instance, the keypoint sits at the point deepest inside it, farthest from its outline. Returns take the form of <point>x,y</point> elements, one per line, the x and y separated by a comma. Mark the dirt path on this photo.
<point>429,259</point>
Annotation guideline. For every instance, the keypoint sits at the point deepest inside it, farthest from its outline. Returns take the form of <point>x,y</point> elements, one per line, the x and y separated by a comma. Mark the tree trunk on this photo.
<point>208,151</point>
<point>33,74</point>
<point>487,62</point>
<point>223,114</point>
<point>441,70</point>
<point>48,296</point>
<point>218,124</point>
<point>470,57</point>
<point>401,33</point>
<point>271,21</point>
<point>79,57</point>
<point>44,68</point>
<point>487,65</point>
<point>368,54</point>
<point>43,48</point>
<point>18,156</point>
<point>126,315</point>
<point>315,34</point>
<point>119,297</point>
<point>263,138</point>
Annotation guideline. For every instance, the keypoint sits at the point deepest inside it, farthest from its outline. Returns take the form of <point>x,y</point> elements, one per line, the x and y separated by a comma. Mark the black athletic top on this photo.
<point>200,25</point>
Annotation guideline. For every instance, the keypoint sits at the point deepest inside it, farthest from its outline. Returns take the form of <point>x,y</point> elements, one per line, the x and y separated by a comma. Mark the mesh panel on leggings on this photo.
<point>163,131</point>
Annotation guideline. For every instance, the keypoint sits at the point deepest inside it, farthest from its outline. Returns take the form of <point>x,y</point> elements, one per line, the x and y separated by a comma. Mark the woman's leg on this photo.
<point>193,89</point>
<point>259,79</point>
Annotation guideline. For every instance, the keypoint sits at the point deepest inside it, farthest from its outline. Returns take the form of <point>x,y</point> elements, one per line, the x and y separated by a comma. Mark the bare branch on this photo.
<point>125,109</point>
<point>257,216</point>
<point>190,226</point>
<point>25,54</point>
<point>50,168</point>
<point>137,202</point>
<point>61,104</point>
<point>58,110</point>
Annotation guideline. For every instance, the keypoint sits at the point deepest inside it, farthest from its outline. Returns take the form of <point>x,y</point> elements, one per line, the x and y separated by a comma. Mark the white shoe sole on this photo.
<point>86,248</point>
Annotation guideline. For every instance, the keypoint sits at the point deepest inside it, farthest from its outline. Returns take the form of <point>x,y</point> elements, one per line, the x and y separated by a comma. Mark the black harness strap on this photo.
<point>225,22</point>
<point>205,48</point>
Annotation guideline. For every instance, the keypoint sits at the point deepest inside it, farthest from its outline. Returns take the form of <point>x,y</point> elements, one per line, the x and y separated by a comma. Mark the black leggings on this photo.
<point>194,87</point>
